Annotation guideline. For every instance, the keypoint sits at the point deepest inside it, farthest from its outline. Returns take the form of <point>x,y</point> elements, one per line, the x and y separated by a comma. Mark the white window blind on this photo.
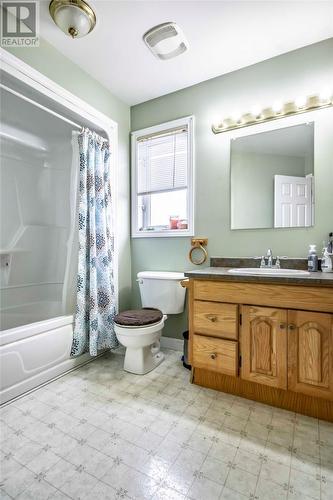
<point>162,162</point>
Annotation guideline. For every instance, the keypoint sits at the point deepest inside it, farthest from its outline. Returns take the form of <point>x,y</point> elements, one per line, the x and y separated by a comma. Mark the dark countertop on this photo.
<point>222,274</point>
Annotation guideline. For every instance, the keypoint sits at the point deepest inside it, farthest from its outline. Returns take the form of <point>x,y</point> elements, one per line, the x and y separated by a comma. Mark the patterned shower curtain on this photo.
<point>95,309</point>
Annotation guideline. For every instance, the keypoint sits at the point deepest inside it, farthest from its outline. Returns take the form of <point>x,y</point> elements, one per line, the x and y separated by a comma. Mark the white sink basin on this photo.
<point>268,271</point>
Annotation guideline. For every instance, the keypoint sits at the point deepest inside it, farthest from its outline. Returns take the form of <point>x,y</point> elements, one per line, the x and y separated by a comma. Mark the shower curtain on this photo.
<point>95,295</point>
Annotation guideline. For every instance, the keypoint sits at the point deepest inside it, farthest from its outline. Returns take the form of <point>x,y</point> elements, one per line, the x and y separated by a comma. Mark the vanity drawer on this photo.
<point>215,354</point>
<point>308,298</point>
<point>215,318</point>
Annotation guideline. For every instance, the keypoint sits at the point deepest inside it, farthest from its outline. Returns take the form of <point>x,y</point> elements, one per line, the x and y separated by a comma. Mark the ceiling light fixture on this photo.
<point>74,17</point>
<point>275,112</point>
<point>166,41</point>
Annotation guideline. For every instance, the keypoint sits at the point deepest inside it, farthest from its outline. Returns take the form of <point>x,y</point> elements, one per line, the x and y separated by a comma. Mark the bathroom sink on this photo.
<point>269,271</point>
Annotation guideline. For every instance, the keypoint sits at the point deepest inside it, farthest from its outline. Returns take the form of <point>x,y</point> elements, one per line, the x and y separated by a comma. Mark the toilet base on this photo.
<point>141,360</point>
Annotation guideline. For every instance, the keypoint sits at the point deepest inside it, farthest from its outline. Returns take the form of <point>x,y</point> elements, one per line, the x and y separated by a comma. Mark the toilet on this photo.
<point>140,330</point>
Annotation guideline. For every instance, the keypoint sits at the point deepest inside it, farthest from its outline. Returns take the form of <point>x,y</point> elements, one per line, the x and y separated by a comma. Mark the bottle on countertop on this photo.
<point>312,259</point>
<point>326,261</point>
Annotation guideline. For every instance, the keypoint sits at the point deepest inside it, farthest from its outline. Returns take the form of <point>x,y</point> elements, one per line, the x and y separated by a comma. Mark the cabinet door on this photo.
<point>264,346</point>
<point>310,359</point>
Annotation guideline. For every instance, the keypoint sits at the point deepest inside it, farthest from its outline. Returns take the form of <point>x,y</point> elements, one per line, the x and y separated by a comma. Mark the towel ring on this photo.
<point>198,244</point>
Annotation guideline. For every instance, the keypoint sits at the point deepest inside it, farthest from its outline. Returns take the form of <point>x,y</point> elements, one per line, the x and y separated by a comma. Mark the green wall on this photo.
<point>285,77</point>
<point>61,70</point>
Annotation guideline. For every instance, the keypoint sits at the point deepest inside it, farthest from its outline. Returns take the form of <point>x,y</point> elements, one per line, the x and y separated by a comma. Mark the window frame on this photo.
<point>187,121</point>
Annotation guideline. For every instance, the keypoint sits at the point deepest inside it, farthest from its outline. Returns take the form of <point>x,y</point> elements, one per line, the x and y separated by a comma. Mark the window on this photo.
<point>162,180</point>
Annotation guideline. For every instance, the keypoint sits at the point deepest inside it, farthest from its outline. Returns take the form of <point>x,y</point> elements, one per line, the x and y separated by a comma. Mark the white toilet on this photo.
<point>140,331</point>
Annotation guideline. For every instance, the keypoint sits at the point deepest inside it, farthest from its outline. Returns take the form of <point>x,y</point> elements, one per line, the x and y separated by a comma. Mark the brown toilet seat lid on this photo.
<point>139,317</point>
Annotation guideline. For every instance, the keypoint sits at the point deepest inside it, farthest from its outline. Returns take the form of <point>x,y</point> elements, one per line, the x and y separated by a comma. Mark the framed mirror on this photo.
<point>272,178</point>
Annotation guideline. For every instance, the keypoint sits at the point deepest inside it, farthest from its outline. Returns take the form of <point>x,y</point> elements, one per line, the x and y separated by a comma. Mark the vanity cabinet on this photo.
<point>310,353</point>
<point>214,343</point>
<point>264,345</point>
<point>268,342</point>
<point>288,349</point>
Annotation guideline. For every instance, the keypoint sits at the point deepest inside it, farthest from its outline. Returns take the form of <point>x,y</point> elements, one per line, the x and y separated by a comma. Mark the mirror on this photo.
<point>272,179</point>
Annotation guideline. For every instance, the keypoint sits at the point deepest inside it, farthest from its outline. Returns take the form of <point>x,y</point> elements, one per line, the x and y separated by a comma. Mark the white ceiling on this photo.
<point>224,35</point>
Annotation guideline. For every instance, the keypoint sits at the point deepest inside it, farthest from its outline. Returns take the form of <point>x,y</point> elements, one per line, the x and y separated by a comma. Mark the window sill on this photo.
<point>168,233</point>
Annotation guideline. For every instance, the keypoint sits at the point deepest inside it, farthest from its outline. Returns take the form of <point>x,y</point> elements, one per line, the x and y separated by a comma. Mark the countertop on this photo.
<point>222,274</point>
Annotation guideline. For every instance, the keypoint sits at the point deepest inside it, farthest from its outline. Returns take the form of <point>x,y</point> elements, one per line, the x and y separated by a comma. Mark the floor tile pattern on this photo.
<point>101,433</point>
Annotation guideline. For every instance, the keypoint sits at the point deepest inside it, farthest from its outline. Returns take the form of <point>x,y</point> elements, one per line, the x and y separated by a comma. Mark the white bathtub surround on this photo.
<point>28,305</point>
<point>38,247</point>
<point>34,354</point>
<point>100,432</point>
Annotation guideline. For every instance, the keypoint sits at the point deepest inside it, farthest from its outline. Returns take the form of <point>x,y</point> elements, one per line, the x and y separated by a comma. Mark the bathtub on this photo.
<point>33,354</point>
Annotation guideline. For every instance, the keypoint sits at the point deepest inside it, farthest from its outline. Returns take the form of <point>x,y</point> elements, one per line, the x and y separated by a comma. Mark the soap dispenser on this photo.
<point>326,261</point>
<point>312,259</point>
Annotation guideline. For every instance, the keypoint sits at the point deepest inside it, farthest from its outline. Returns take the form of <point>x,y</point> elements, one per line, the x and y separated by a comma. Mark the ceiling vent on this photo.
<point>166,40</point>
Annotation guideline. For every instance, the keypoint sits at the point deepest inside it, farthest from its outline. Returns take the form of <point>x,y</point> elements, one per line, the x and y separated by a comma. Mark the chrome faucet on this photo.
<point>269,257</point>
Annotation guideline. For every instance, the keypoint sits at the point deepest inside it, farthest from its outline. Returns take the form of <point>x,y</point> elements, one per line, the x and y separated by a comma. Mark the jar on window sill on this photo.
<point>182,224</point>
<point>173,221</point>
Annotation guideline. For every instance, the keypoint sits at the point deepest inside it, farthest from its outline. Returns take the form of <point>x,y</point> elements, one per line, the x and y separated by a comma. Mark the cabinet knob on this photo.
<point>213,355</point>
<point>212,318</point>
<point>282,326</point>
<point>292,326</point>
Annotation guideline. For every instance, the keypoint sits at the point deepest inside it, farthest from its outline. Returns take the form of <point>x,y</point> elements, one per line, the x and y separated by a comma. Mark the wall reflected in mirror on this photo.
<point>272,179</point>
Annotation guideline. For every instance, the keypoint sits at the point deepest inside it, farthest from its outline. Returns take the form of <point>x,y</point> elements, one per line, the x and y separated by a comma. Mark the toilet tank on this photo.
<point>162,290</point>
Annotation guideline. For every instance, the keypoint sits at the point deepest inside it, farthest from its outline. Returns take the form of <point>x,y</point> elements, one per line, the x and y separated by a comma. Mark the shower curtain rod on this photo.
<point>44,108</point>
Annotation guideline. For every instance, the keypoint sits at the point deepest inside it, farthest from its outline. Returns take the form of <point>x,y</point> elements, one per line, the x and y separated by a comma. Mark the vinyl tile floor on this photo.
<point>101,433</point>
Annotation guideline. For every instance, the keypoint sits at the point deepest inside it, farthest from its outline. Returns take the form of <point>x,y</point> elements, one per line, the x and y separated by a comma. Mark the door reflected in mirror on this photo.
<point>272,179</point>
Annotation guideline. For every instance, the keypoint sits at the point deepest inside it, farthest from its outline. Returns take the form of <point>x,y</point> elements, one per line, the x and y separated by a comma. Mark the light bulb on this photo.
<point>325,96</point>
<point>313,101</point>
<point>256,111</point>
<point>217,122</point>
<point>300,101</point>
<point>277,107</point>
<point>236,116</point>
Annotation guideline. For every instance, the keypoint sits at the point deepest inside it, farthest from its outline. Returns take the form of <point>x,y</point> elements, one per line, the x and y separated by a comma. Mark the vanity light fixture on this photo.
<point>275,112</point>
<point>74,17</point>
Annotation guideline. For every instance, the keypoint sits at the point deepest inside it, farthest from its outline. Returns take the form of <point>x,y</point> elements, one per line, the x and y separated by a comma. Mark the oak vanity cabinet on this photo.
<point>214,343</point>
<point>310,353</point>
<point>264,345</point>
<point>288,349</point>
<point>268,342</point>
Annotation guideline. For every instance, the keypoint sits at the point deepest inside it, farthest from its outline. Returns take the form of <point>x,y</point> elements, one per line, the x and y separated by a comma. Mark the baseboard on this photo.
<point>171,343</point>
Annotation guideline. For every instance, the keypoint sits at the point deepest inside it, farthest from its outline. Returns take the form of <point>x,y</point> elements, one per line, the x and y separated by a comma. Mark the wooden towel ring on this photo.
<point>198,244</point>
